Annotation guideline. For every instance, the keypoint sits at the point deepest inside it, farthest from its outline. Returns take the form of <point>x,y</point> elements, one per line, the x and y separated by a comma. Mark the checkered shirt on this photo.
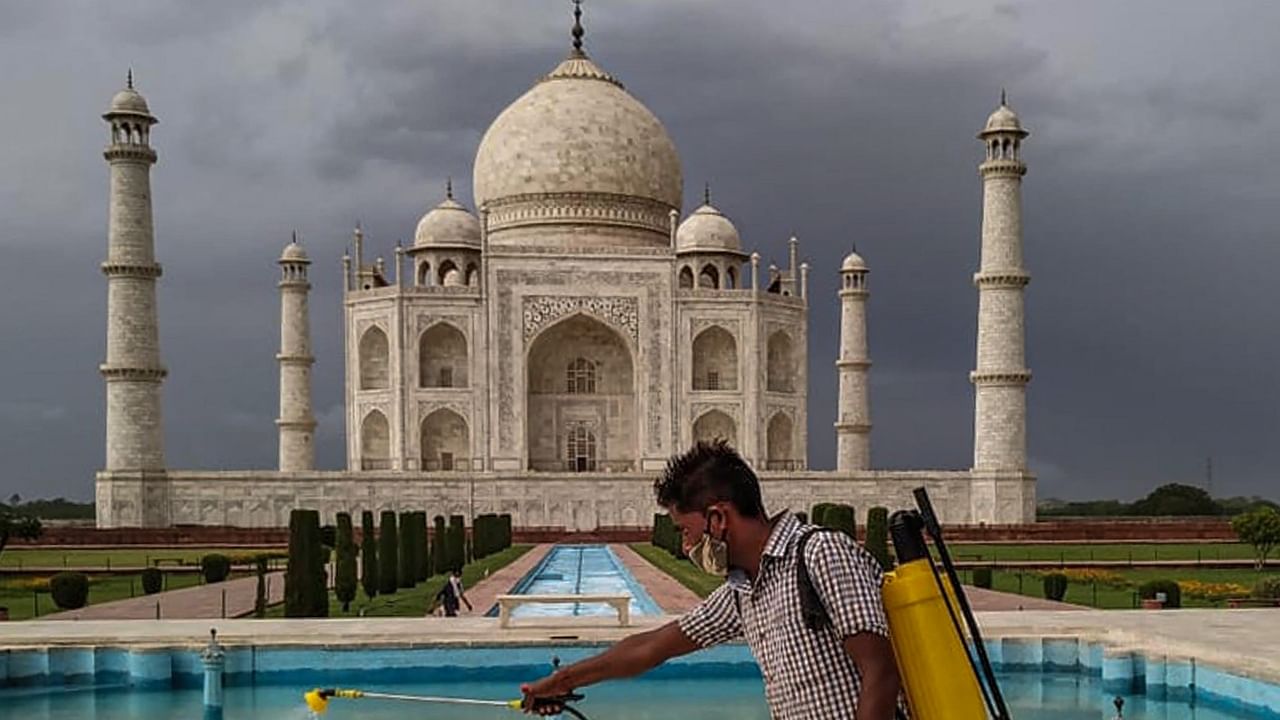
<point>807,673</point>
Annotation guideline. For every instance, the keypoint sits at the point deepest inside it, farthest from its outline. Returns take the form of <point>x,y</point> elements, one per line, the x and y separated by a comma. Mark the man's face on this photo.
<point>693,524</point>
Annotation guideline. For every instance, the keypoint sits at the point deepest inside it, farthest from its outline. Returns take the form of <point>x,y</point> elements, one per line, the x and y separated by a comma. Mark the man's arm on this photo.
<point>633,655</point>
<point>873,655</point>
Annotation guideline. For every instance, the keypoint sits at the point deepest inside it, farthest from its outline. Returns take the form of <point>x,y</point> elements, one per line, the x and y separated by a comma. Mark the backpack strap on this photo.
<point>812,610</point>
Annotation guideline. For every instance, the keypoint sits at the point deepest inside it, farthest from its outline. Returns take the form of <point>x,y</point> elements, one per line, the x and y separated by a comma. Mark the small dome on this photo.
<point>129,101</point>
<point>1004,119</point>
<point>448,223</point>
<point>707,229</point>
<point>293,252</point>
<point>852,262</point>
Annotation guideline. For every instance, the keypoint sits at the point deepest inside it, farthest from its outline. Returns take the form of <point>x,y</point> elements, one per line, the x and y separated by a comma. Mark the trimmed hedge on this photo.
<point>504,535</point>
<point>803,517</point>
<point>405,569</point>
<point>260,598</point>
<point>422,553</point>
<point>388,555</point>
<point>1267,587</point>
<point>457,542</point>
<point>878,537</point>
<point>215,567</point>
<point>70,590</point>
<point>152,580</point>
<point>368,555</point>
<point>1055,586</point>
<point>818,513</point>
<point>841,517</point>
<point>440,548</point>
<point>344,583</point>
<point>1172,592</point>
<point>305,594</point>
<point>982,577</point>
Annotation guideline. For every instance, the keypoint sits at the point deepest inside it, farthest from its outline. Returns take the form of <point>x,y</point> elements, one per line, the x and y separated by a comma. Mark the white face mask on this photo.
<point>710,554</point>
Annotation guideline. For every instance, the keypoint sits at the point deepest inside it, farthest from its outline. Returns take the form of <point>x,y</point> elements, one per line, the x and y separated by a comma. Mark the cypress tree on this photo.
<point>305,594</point>
<point>505,519</point>
<point>457,542</point>
<point>440,559</point>
<point>841,517</point>
<point>368,555</point>
<point>422,553</point>
<point>388,554</point>
<point>405,570</point>
<point>344,584</point>
<point>878,536</point>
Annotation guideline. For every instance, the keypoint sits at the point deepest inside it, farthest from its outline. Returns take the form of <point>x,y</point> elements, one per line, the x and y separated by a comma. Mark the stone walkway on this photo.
<point>201,601</point>
<point>485,593</point>
<point>992,601</point>
<point>671,596</point>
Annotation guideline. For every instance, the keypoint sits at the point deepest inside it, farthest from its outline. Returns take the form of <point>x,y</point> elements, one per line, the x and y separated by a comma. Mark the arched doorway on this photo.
<point>779,443</point>
<point>445,442</point>
<point>781,366</point>
<point>581,408</point>
<point>375,442</point>
<point>715,425</point>
<point>375,360</point>
<point>442,357</point>
<point>715,360</point>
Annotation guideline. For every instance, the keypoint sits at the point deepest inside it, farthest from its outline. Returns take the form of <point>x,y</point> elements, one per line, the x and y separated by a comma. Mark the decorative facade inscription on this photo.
<point>620,312</point>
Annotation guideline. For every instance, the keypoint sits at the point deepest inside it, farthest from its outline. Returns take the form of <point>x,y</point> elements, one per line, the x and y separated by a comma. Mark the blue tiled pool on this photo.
<point>580,570</point>
<point>722,683</point>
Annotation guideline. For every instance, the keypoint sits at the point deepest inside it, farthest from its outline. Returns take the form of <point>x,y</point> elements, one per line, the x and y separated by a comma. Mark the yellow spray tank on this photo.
<point>939,676</point>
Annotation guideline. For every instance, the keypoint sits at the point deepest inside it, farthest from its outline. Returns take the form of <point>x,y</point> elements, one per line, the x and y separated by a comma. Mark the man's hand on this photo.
<point>537,695</point>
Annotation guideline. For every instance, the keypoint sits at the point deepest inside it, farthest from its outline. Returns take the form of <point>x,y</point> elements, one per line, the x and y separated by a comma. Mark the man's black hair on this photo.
<point>707,473</point>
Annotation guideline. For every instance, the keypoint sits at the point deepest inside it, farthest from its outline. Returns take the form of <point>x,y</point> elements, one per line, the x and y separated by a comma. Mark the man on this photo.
<point>843,669</point>
<point>451,593</point>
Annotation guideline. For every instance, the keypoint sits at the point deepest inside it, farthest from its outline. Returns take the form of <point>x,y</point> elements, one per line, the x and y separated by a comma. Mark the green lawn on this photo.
<point>682,570</point>
<point>1108,551</point>
<point>23,603</point>
<point>17,558</point>
<point>1120,593</point>
<point>413,602</point>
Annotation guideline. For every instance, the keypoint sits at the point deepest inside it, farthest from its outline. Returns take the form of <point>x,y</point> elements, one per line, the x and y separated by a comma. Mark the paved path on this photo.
<point>201,601</point>
<point>485,593</point>
<point>992,601</point>
<point>671,596</point>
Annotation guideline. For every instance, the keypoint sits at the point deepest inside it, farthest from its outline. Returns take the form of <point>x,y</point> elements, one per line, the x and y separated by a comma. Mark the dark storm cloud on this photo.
<point>1149,229</point>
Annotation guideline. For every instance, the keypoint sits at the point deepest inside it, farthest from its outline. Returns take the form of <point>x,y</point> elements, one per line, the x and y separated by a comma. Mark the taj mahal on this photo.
<point>545,353</point>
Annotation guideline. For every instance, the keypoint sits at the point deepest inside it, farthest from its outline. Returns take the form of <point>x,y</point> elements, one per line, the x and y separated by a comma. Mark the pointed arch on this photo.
<point>375,360</point>
<point>446,267</point>
<point>375,442</point>
<point>445,442</point>
<point>715,360</point>
<point>424,274</point>
<point>731,278</point>
<point>780,365</point>
<point>709,277</point>
<point>779,443</point>
<point>442,357</point>
<point>473,275</point>
<point>686,278</point>
<point>715,425</point>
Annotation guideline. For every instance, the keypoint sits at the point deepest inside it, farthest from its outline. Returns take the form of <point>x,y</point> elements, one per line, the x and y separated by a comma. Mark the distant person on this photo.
<point>451,594</point>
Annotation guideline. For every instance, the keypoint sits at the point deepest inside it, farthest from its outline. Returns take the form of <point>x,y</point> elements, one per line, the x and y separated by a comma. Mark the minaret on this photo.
<point>132,370</point>
<point>853,424</point>
<point>1001,377</point>
<point>297,424</point>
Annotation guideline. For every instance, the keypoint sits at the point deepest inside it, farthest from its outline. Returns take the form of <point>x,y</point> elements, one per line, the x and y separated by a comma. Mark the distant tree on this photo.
<point>13,525</point>
<point>305,591</point>
<point>388,554</point>
<point>1261,529</point>
<point>405,570</point>
<point>1238,505</point>
<point>1176,499</point>
<point>15,499</point>
<point>877,542</point>
<point>344,584</point>
<point>368,555</point>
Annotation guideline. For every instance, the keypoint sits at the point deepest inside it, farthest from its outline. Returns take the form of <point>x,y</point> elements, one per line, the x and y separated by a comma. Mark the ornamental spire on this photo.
<point>1004,99</point>
<point>578,32</point>
<point>129,79</point>
<point>448,187</point>
<point>706,194</point>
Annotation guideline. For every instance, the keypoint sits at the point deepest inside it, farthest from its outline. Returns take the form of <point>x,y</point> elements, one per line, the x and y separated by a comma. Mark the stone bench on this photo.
<point>508,603</point>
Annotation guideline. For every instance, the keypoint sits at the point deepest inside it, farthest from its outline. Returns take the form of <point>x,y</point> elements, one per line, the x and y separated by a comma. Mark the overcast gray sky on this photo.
<point>1152,233</point>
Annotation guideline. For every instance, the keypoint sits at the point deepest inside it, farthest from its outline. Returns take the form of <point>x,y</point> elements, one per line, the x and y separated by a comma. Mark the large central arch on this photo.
<point>580,383</point>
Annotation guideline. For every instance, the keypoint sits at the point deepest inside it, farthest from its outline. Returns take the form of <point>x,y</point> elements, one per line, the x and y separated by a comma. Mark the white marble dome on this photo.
<point>293,252</point>
<point>707,229</point>
<point>448,224</point>
<point>578,149</point>
<point>129,100</point>
<point>1004,119</point>
<point>853,262</point>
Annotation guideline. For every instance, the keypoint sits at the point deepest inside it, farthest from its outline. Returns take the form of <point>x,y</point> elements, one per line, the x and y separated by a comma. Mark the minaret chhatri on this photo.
<point>853,421</point>
<point>132,369</point>
<point>296,422</point>
<point>1001,375</point>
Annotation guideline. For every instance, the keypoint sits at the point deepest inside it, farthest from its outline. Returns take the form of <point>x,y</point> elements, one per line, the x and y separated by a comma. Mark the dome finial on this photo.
<point>129,79</point>
<point>578,32</point>
<point>1004,98</point>
<point>706,194</point>
<point>295,237</point>
<point>448,187</point>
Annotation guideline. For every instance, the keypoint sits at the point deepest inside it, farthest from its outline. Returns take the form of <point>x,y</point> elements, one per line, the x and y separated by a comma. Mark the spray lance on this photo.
<point>318,700</point>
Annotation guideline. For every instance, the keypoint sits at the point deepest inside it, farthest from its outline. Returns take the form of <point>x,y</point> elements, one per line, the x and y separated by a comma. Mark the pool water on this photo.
<point>580,570</point>
<point>1031,696</point>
